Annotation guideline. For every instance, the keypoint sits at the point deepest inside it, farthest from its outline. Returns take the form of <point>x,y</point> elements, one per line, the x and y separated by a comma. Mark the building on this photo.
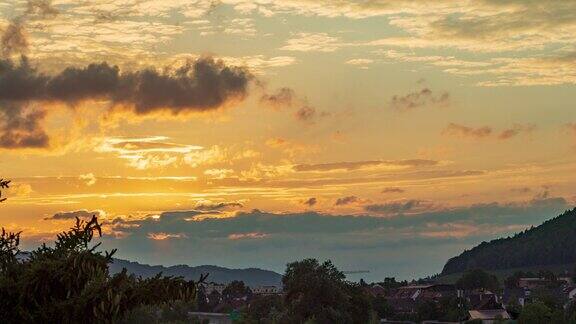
<point>489,311</point>
<point>406,299</point>
<point>211,286</point>
<point>533,283</point>
<point>376,290</point>
<point>489,316</point>
<point>266,290</point>
<point>212,318</point>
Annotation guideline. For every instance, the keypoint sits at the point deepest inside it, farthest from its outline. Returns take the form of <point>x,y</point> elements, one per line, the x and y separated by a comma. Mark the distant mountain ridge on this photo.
<point>551,243</point>
<point>251,276</point>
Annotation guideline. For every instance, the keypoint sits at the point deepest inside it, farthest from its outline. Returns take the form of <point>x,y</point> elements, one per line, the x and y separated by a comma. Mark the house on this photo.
<point>489,316</point>
<point>489,311</point>
<point>534,283</point>
<point>267,290</point>
<point>478,297</point>
<point>376,290</point>
<point>211,286</point>
<point>212,318</point>
<point>520,296</point>
<point>406,299</point>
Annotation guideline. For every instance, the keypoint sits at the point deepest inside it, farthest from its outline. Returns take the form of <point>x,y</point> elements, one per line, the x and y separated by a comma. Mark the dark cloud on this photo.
<point>346,200</point>
<point>14,39</point>
<point>350,166</point>
<point>399,207</point>
<point>21,127</point>
<point>458,130</point>
<point>310,201</point>
<point>287,98</point>
<point>201,85</point>
<point>284,97</point>
<point>516,130</point>
<point>82,214</point>
<point>521,190</point>
<point>305,114</point>
<point>218,206</point>
<point>350,241</point>
<point>392,190</point>
<point>421,98</point>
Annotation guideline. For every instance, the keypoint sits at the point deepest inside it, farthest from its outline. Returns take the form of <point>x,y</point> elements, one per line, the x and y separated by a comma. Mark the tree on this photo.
<point>381,307</point>
<point>318,292</point>
<point>4,184</point>
<point>428,310</point>
<point>70,282</point>
<point>263,309</point>
<point>235,290</point>
<point>535,313</point>
<point>478,279</point>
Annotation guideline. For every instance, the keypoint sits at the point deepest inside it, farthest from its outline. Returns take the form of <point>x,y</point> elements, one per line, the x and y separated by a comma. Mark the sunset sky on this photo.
<point>386,135</point>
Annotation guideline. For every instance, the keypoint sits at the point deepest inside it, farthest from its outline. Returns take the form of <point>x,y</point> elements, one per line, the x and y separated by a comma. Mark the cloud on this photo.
<point>359,165</point>
<point>392,190</point>
<point>310,202</point>
<point>361,62</point>
<point>516,130</point>
<point>399,207</point>
<point>284,97</point>
<point>347,200</point>
<point>90,178</point>
<point>287,98</point>
<point>312,42</point>
<point>458,130</point>
<point>244,236</point>
<point>21,126</point>
<point>82,214</point>
<point>13,39</point>
<point>423,240</point>
<point>305,114</point>
<point>208,205</point>
<point>161,236</point>
<point>218,173</point>
<point>149,152</point>
<point>201,85</point>
<point>421,98</point>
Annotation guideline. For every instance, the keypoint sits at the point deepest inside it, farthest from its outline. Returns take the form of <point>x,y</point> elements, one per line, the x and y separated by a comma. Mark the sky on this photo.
<point>387,136</point>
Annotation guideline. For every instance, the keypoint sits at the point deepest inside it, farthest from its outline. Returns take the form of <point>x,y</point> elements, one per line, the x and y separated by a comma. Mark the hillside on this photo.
<point>251,276</point>
<point>552,243</point>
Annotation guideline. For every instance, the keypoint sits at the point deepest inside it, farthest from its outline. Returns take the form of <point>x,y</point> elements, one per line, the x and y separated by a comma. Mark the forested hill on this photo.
<point>251,276</point>
<point>552,243</point>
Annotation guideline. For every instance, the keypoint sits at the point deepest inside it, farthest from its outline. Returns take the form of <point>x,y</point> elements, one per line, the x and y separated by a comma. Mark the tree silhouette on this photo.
<point>4,184</point>
<point>69,282</point>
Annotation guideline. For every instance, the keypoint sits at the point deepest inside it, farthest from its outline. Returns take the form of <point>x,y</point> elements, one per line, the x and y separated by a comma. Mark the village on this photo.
<point>470,300</point>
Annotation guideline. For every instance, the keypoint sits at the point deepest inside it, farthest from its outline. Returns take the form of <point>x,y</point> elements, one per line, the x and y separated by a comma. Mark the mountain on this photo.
<point>251,276</point>
<point>552,243</point>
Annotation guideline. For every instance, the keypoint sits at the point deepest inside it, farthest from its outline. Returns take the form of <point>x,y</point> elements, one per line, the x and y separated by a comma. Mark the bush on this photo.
<point>70,282</point>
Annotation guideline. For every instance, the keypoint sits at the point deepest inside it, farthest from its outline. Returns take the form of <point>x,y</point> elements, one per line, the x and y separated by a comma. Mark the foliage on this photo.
<point>535,313</point>
<point>4,184</point>
<point>234,290</point>
<point>263,310</point>
<point>70,283</point>
<point>478,279</point>
<point>319,293</point>
<point>382,307</point>
<point>548,244</point>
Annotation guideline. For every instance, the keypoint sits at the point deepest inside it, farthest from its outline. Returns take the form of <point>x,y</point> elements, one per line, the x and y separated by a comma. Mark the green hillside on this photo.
<point>551,244</point>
